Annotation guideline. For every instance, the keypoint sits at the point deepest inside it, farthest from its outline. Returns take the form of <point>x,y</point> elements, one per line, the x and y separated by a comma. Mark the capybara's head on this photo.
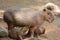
<point>48,15</point>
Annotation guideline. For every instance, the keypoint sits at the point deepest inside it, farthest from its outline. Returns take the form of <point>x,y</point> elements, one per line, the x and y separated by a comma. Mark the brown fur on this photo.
<point>22,17</point>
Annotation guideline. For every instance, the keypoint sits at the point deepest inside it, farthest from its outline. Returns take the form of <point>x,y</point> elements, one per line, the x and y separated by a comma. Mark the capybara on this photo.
<point>23,17</point>
<point>17,32</point>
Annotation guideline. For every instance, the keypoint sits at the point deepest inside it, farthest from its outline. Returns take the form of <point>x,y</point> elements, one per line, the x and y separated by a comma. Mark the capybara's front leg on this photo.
<point>39,31</point>
<point>30,32</point>
<point>34,30</point>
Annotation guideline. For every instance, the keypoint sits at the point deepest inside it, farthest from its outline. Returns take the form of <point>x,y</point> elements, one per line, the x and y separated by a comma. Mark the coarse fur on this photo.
<point>27,17</point>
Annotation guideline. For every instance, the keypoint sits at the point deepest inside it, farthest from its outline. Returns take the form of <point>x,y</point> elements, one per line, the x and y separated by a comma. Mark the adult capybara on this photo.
<point>23,17</point>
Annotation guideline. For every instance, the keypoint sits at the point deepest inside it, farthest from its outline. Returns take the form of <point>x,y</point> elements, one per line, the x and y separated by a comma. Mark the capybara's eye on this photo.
<point>44,9</point>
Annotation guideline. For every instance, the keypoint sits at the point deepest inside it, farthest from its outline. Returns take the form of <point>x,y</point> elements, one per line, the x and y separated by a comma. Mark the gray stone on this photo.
<point>3,32</point>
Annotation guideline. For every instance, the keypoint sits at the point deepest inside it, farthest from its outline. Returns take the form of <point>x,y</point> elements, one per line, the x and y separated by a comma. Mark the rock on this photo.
<point>3,32</point>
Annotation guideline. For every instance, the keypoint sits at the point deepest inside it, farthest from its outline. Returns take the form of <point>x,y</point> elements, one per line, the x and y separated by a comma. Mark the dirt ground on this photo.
<point>4,4</point>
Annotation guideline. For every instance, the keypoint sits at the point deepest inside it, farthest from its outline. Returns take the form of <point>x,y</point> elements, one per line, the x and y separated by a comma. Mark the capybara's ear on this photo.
<point>44,10</point>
